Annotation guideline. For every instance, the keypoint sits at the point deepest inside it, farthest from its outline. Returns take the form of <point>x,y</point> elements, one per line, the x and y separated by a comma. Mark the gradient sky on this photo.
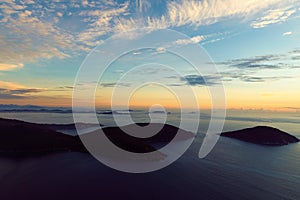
<point>255,45</point>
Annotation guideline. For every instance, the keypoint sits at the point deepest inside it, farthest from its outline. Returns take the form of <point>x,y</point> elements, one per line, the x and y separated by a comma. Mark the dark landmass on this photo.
<point>159,140</point>
<point>28,138</point>
<point>262,135</point>
<point>72,126</point>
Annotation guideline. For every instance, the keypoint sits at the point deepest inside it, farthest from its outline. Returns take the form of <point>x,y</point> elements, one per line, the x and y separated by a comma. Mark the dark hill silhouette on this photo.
<point>159,140</point>
<point>24,137</point>
<point>262,135</point>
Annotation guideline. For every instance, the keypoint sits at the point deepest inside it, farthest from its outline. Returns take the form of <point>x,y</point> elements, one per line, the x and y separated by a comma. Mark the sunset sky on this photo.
<point>255,45</point>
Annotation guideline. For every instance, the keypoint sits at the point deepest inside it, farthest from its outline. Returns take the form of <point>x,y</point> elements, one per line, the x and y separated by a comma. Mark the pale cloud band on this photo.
<point>9,67</point>
<point>287,33</point>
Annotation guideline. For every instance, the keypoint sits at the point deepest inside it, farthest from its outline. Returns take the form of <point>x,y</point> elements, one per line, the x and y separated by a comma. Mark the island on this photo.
<point>262,135</point>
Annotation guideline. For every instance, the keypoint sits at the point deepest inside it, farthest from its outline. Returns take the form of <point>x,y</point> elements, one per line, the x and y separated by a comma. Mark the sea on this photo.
<point>232,170</point>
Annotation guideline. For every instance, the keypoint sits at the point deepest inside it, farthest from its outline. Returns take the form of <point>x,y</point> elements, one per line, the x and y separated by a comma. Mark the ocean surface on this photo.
<point>233,170</point>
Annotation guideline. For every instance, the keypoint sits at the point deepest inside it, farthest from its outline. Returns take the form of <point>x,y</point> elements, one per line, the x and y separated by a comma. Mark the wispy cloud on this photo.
<point>246,69</point>
<point>34,30</point>
<point>31,32</point>
<point>17,93</point>
<point>115,85</point>
<point>197,80</point>
<point>10,90</point>
<point>11,85</point>
<point>193,40</point>
<point>207,12</point>
<point>258,62</point>
<point>273,17</point>
<point>287,33</point>
<point>9,67</point>
<point>256,79</point>
<point>101,22</point>
<point>271,61</point>
<point>211,11</point>
<point>27,38</point>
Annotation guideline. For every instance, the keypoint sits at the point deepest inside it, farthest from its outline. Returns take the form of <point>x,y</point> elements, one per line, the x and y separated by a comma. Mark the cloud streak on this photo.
<point>287,33</point>
<point>9,67</point>
<point>197,80</point>
<point>273,17</point>
<point>193,40</point>
<point>9,90</point>
<point>18,93</point>
<point>207,12</point>
<point>255,79</point>
<point>271,61</point>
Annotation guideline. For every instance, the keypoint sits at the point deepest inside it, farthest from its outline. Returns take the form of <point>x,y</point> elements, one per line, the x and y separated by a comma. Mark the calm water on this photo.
<point>233,170</point>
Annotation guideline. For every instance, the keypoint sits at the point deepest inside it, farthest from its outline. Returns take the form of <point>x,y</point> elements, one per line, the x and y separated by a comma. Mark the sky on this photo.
<point>254,44</point>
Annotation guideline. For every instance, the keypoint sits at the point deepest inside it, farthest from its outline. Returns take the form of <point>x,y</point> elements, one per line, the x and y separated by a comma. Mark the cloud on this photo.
<point>296,51</point>
<point>25,37</point>
<point>102,22</point>
<point>34,30</point>
<point>25,91</point>
<point>256,79</point>
<point>10,90</point>
<point>293,108</point>
<point>249,77</point>
<point>114,85</point>
<point>4,94</point>
<point>161,50</point>
<point>244,69</point>
<point>211,11</point>
<point>190,13</point>
<point>85,3</point>
<point>10,85</point>
<point>193,40</point>
<point>59,14</point>
<point>9,67</point>
<point>17,93</point>
<point>197,80</point>
<point>271,62</point>
<point>273,17</point>
<point>257,62</point>
<point>287,33</point>
<point>296,58</point>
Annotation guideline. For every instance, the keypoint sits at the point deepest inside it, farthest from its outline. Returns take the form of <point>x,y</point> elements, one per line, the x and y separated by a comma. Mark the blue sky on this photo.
<point>255,44</point>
